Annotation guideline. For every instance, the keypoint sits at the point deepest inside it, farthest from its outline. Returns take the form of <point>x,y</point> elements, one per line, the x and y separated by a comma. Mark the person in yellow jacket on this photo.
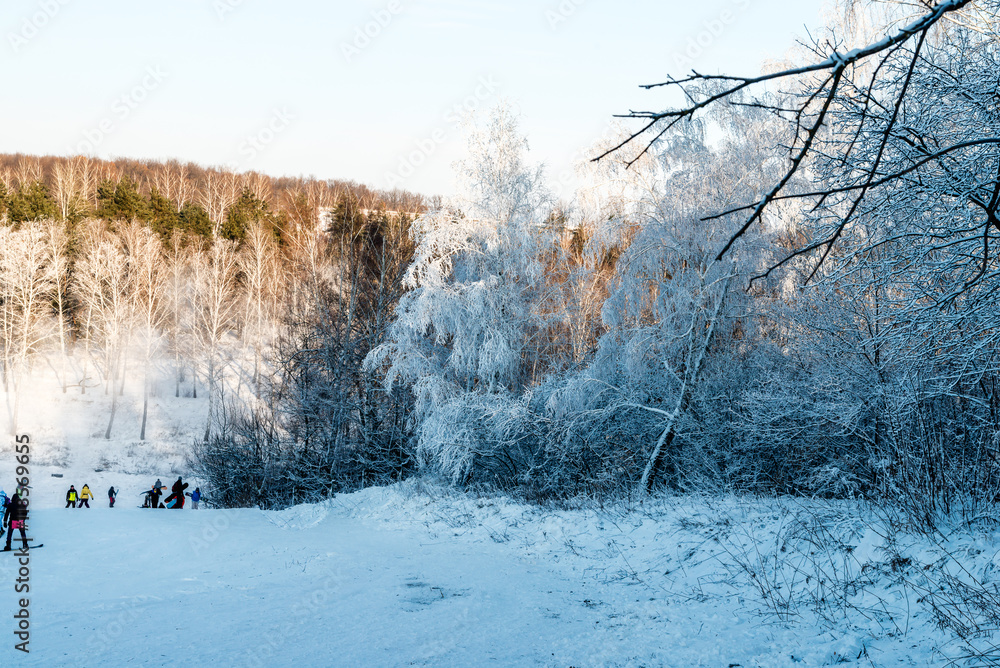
<point>71,497</point>
<point>85,496</point>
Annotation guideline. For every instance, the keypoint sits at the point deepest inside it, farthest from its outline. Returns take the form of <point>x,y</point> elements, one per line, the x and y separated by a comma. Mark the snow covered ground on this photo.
<point>406,576</point>
<point>417,574</point>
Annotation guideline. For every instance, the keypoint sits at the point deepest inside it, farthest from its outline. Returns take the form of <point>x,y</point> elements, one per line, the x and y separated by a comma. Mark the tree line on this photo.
<point>208,202</point>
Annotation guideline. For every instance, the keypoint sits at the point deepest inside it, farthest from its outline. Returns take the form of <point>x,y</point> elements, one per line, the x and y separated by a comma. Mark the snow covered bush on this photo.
<point>321,423</point>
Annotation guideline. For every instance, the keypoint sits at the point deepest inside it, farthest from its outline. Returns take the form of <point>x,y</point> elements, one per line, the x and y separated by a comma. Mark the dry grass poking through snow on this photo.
<point>827,569</point>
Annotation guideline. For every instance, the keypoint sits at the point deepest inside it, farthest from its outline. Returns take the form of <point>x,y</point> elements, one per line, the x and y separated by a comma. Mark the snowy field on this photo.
<point>417,574</point>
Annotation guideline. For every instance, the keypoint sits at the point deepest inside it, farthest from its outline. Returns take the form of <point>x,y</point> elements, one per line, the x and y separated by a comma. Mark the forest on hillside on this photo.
<point>142,270</point>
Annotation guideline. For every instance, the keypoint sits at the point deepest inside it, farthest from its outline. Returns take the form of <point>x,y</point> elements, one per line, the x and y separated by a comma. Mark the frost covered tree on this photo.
<point>894,147</point>
<point>67,188</point>
<point>146,286</point>
<point>676,321</point>
<point>323,423</point>
<point>461,332</point>
<point>219,191</point>
<point>26,281</point>
<point>178,298</point>
<point>102,286</point>
<point>260,266</point>
<point>857,118</point>
<point>215,271</point>
<point>57,244</point>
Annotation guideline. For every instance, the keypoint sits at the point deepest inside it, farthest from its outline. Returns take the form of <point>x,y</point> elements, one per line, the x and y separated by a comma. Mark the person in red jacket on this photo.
<point>176,498</point>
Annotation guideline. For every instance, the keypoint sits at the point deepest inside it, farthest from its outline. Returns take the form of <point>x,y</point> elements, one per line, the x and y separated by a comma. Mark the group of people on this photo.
<point>84,496</point>
<point>15,514</point>
<point>15,508</point>
<point>176,498</point>
<point>152,496</point>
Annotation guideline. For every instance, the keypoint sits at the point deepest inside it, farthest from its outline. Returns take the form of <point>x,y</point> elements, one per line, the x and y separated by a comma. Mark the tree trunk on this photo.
<point>111,421</point>
<point>145,401</point>
<point>114,402</point>
<point>684,396</point>
<point>211,395</point>
<point>666,438</point>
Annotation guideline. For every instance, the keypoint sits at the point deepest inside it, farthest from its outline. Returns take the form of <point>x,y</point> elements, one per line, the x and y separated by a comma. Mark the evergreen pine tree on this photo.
<point>164,216</point>
<point>121,201</point>
<point>248,208</point>
<point>33,202</point>
<point>195,220</point>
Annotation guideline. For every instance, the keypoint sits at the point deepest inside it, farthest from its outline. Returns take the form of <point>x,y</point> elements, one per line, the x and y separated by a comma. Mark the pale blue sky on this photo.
<point>197,79</point>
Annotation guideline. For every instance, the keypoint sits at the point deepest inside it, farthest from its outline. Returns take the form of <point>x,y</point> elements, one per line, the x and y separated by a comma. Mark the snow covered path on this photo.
<point>332,585</point>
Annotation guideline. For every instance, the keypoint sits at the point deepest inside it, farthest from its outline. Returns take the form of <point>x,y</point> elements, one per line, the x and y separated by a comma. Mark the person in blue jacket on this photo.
<point>195,498</point>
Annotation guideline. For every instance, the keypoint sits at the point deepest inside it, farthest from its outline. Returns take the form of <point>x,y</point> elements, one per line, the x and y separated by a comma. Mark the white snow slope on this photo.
<point>404,576</point>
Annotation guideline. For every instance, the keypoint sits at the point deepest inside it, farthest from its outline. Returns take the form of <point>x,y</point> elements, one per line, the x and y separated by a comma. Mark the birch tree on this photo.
<point>178,303</point>
<point>146,287</point>
<point>850,115</point>
<point>262,283</point>
<point>219,191</point>
<point>636,410</point>
<point>463,327</point>
<point>66,190</point>
<point>215,275</point>
<point>57,245</point>
<point>27,276</point>
<point>102,286</point>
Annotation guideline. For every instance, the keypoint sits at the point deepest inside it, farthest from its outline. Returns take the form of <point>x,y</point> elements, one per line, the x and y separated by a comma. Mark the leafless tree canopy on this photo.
<point>852,111</point>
